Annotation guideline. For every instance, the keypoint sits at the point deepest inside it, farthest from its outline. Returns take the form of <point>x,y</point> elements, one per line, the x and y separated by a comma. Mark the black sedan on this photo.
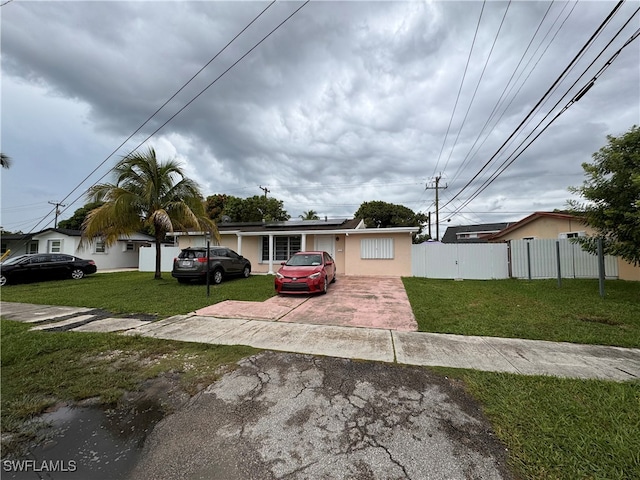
<point>44,266</point>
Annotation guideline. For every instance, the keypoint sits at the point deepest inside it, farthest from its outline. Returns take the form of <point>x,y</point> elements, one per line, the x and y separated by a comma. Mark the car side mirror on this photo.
<point>283,263</point>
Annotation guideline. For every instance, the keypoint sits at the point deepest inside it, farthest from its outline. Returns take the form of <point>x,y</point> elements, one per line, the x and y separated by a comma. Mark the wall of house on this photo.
<point>400,265</point>
<point>115,256</point>
<point>627,271</point>
<point>546,227</point>
<point>346,252</point>
<point>252,250</point>
<point>68,245</point>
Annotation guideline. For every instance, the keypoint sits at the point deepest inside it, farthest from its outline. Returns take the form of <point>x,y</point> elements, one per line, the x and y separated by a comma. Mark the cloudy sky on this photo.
<point>343,103</point>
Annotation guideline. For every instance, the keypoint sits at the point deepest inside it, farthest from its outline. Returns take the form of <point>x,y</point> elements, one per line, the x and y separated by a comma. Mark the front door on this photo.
<point>326,243</point>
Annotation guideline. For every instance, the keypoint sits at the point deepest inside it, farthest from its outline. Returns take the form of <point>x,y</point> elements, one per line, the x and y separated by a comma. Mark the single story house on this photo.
<point>356,249</point>
<point>123,254</point>
<point>545,225</point>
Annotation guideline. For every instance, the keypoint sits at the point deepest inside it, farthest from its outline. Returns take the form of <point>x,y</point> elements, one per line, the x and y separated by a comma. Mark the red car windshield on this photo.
<point>305,261</point>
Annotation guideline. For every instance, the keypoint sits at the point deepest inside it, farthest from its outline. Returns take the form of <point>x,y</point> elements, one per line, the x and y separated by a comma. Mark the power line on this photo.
<point>473,97</point>
<point>537,105</point>
<point>509,161</point>
<point>464,74</point>
<point>507,90</point>
<point>156,112</point>
<point>209,85</point>
<point>188,103</point>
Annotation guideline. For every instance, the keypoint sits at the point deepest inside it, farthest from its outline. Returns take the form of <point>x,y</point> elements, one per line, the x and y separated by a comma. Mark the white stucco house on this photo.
<point>123,254</point>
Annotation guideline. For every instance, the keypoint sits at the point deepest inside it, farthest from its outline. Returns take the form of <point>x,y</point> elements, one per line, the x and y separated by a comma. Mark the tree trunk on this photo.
<point>158,275</point>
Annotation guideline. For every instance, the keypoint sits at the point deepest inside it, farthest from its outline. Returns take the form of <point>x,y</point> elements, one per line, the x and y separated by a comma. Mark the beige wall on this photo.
<point>626,271</point>
<point>399,266</point>
<point>545,227</point>
<point>347,253</point>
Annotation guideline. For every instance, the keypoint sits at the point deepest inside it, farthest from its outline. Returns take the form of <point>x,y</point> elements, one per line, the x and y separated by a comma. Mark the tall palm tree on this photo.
<point>310,215</point>
<point>5,160</point>
<point>147,193</point>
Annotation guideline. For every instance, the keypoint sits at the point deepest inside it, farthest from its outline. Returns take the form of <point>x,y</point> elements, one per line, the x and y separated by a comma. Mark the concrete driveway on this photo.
<point>372,302</point>
<point>281,415</point>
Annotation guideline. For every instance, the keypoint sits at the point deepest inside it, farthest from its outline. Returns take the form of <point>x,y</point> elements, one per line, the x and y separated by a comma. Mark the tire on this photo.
<point>325,286</point>
<point>246,271</point>
<point>77,273</point>
<point>216,279</point>
<point>333,280</point>
<point>3,280</point>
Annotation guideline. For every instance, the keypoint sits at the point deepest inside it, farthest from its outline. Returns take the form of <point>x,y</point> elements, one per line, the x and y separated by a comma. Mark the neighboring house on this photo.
<point>546,225</point>
<point>123,254</point>
<point>18,244</point>
<point>356,249</point>
<point>543,225</point>
<point>473,233</point>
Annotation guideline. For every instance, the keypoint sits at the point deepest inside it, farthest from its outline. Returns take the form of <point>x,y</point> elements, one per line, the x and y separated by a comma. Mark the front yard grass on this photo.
<point>138,292</point>
<point>535,309</point>
<point>556,428</point>
<point>39,369</point>
<point>553,428</point>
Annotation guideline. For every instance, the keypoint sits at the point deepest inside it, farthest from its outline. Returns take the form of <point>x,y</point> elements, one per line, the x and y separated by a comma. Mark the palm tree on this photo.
<point>150,194</point>
<point>5,161</point>
<point>310,215</point>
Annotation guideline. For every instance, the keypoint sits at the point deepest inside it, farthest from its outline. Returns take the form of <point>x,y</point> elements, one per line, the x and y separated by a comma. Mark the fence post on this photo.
<point>601,272</point>
<point>529,260</point>
<point>558,262</point>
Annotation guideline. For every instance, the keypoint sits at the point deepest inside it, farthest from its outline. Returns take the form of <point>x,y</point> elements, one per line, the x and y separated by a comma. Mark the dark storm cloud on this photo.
<point>347,102</point>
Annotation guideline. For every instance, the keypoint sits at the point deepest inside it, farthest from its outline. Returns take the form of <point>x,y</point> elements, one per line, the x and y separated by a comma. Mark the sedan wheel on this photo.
<point>246,272</point>
<point>77,273</point>
<point>325,285</point>
<point>217,277</point>
<point>3,280</point>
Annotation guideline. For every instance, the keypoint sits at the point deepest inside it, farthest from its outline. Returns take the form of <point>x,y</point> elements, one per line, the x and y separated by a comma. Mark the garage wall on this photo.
<point>399,265</point>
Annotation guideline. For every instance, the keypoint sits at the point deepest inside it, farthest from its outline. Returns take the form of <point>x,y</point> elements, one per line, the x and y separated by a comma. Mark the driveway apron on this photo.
<point>293,416</point>
<point>370,302</point>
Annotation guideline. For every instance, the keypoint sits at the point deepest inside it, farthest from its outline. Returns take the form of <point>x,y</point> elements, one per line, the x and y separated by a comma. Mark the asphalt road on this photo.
<point>281,415</point>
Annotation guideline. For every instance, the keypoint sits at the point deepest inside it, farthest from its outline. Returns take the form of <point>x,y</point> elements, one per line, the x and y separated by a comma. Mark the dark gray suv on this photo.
<point>191,265</point>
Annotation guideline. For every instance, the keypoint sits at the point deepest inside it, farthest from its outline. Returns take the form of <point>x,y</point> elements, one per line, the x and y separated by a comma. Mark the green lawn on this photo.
<point>558,428</point>
<point>138,292</point>
<point>553,428</point>
<point>529,309</point>
<point>42,368</point>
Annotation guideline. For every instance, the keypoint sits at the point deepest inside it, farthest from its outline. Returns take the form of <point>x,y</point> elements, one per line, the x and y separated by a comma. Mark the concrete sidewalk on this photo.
<point>527,357</point>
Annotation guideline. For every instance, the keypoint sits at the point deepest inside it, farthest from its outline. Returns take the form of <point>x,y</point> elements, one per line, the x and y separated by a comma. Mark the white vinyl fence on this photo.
<point>478,261</point>
<point>148,258</point>
<point>543,259</point>
<point>485,261</point>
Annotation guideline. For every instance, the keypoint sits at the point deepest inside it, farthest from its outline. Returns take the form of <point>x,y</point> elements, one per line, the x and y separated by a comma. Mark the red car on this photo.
<point>306,272</point>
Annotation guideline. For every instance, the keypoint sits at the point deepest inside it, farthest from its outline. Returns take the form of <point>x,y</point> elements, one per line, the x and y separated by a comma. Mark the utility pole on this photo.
<point>265,189</point>
<point>437,188</point>
<point>57,204</point>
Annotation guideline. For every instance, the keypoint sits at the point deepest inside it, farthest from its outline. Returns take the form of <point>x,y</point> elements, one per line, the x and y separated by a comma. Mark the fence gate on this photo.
<point>482,261</point>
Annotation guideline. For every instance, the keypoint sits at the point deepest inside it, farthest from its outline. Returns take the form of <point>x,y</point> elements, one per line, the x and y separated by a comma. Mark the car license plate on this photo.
<point>185,263</point>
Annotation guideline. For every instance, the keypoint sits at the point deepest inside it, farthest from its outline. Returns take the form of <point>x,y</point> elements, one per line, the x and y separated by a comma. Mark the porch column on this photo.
<point>303,243</point>
<point>239,248</point>
<point>270,272</point>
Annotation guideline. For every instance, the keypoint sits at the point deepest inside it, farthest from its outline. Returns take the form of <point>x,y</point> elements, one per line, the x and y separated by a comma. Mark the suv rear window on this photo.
<point>192,254</point>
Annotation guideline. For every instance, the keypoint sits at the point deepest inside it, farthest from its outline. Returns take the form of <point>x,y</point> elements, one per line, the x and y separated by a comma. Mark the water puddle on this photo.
<point>87,443</point>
